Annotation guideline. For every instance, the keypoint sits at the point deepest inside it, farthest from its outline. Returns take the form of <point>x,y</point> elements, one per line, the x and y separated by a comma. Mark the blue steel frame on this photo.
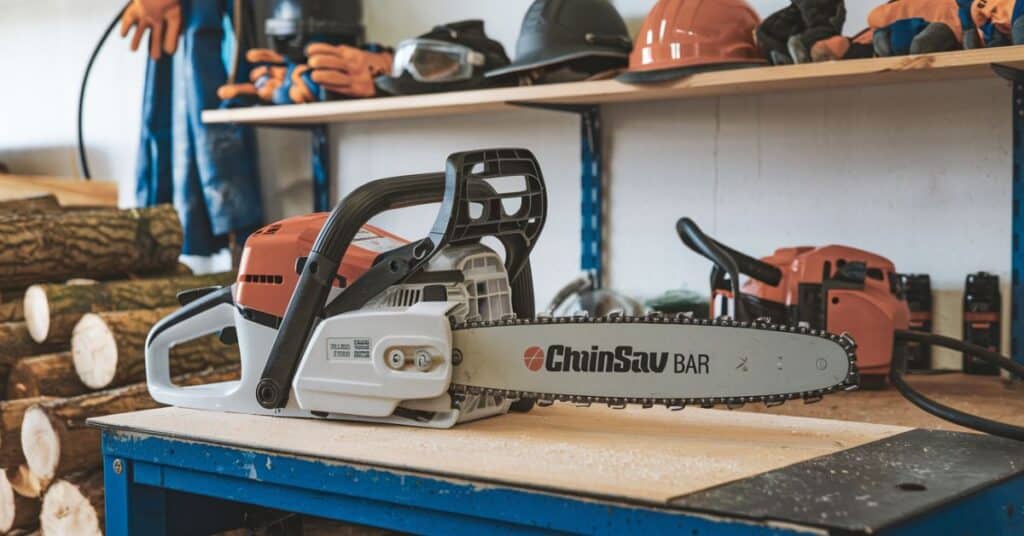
<point>159,485</point>
<point>1016,78</point>
<point>591,184</point>
<point>321,168</point>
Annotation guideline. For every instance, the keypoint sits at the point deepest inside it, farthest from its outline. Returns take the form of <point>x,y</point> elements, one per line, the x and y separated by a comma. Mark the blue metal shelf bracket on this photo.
<point>321,168</point>
<point>1016,78</point>
<point>591,184</point>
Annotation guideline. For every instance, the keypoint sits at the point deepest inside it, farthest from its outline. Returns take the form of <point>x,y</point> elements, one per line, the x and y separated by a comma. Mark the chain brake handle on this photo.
<point>464,185</point>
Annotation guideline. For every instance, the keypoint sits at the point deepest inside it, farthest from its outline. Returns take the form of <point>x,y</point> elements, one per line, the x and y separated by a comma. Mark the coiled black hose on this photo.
<point>942,411</point>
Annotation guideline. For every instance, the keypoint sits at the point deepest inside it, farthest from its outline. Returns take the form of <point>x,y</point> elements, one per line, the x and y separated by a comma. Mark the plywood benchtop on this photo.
<point>641,455</point>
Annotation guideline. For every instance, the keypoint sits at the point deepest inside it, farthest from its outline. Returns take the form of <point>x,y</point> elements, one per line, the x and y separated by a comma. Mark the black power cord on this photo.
<point>83,161</point>
<point>942,411</point>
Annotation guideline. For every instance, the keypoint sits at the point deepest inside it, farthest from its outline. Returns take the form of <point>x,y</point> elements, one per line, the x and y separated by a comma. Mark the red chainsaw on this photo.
<point>838,289</point>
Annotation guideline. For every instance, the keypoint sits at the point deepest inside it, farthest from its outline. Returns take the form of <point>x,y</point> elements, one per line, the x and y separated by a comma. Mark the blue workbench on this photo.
<point>562,469</point>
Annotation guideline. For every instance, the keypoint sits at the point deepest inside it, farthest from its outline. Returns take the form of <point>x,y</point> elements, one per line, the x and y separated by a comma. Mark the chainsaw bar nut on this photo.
<point>424,360</point>
<point>396,358</point>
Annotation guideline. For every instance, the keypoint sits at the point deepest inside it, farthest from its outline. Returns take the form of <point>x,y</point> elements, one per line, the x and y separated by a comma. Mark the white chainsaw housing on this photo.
<point>344,372</point>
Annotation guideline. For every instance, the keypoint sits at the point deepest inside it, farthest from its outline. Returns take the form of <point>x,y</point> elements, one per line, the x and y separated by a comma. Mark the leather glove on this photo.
<point>163,20</point>
<point>844,48</point>
<point>267,75</point>
<point>347,70</point>
<point>774,31</point>
<point>298,88</point>
<point>823,19</point>
<point>790,34</point>
<point>916,27</point>
<point>1000,21</point>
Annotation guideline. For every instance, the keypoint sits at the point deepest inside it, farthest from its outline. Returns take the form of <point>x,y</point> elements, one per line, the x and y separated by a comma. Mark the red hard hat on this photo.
<point>681,37</point>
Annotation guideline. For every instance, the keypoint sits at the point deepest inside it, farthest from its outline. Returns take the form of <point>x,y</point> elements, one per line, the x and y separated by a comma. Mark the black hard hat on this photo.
<point>293,24</point>
<point>557,31</point>
<point>469,33</point>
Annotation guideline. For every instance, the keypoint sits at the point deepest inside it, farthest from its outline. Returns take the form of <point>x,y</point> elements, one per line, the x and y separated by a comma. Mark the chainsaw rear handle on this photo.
<point>726,258</point>
<point>205,315</point>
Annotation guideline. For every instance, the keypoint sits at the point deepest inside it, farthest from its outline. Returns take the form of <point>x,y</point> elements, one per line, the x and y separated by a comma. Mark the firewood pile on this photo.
<point>80,288</point>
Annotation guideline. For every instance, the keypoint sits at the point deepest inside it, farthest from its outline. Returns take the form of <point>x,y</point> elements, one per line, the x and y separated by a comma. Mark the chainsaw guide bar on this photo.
<point>595,372</point>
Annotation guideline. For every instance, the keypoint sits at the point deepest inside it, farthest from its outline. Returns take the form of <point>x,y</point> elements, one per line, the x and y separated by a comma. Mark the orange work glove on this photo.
<point>163,20</point>
<point>267,75</point>
<point>998,12</point>
<point>347,70</point>
<point>941,12</point>
<point>839,47</point>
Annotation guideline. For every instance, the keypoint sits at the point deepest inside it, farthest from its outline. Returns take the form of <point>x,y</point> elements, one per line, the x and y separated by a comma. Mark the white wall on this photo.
<point>919,173</point>
<point>46,44</point>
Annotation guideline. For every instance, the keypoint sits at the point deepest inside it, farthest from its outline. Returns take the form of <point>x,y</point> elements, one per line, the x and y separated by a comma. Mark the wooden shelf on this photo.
<point>960,65</point>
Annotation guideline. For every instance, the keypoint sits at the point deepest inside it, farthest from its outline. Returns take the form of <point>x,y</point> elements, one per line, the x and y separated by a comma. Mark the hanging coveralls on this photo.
<point>209,172</point>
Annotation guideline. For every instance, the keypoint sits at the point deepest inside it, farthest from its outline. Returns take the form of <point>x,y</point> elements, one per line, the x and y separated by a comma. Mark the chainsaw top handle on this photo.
<point>471,208</point>
<point>723,255</point>
<point>727,260</point>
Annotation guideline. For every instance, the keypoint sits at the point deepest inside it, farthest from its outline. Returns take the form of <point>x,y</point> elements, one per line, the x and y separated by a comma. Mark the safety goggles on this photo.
<point>430,60</point>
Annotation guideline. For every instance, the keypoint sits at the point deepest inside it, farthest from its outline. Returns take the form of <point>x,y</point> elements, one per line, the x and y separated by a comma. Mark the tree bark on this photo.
<point>35,203</point>
<point>56,440</point>
<point>49,375</point>
<point>74,505</point>
<point>52,310</point>
<point>108,349</point>
<point>11,311</point>
<point>92,243</point>
<point>16,343</point>
<point>16,511</point>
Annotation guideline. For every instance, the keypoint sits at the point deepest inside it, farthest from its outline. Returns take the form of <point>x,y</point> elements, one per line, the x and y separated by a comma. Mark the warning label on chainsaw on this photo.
<point>376,243</point>
<point>349,349</point>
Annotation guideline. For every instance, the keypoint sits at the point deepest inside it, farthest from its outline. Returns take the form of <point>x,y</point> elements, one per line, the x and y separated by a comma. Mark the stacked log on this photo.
<point>55,439</point>
<point>99,243</point>
<point>16,511</point>
<point>29,204</point>
<point>12,412</point>
<point>52,310</point>
<point>80,289</point>
<point>74,505</point>
<point>16,343</point>
<point>108,349</point>
<point>52,374</point>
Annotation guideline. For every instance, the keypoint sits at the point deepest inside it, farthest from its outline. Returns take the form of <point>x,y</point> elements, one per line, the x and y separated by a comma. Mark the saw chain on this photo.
<point>461,392</point>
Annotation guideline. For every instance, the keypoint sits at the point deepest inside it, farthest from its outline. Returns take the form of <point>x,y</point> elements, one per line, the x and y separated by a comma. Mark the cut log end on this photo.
<point>37,313</point>
<point>17,511</point>
<point>25,483</point>
<point>66,510</point>
<point>7,504</point>
<point>94,351</point>
<point>40,443</point>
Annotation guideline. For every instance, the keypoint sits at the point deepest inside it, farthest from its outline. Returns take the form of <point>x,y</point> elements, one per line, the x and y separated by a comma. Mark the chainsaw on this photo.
<point>838,288</point>
<point>339,319</point>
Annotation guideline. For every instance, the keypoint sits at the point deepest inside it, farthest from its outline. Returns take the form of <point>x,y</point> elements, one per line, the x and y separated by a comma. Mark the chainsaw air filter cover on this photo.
<point>269,271</point>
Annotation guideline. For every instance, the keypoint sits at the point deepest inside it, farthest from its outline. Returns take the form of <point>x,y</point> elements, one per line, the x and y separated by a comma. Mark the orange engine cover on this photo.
<point>870,314</point>
<point>267,275</point>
